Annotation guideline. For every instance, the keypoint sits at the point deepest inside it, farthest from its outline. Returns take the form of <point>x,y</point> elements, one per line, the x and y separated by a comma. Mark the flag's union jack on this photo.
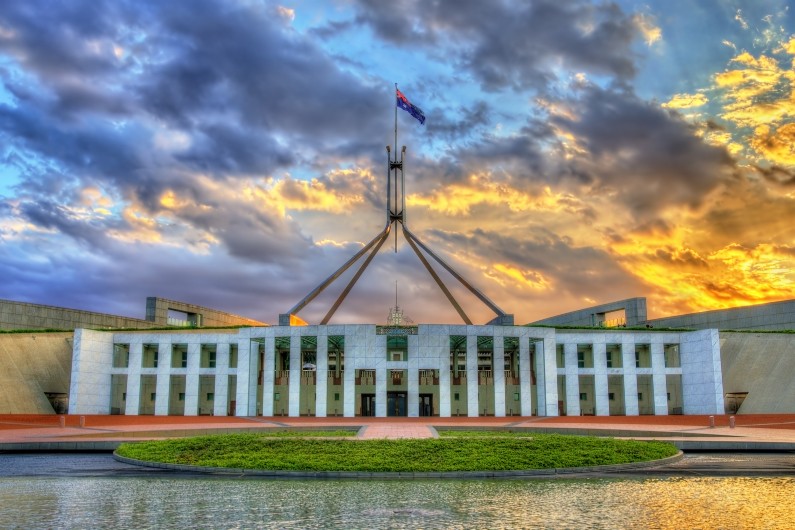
<point>405,104</point>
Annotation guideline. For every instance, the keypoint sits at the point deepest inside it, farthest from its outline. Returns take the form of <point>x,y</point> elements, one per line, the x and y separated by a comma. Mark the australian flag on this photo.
<point>405,104</point>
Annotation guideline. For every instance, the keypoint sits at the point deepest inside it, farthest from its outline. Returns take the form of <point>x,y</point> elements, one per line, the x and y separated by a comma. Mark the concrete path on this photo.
<point>395,431</point>
<point>50,432</point>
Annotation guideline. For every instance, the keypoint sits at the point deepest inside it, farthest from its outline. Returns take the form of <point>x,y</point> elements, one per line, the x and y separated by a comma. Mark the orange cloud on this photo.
<point>759,97</point>
<point>509,275</point>
<point>459,199</point>
<point>777,145</point>
<point>288,194</point>
<point>686,101</point>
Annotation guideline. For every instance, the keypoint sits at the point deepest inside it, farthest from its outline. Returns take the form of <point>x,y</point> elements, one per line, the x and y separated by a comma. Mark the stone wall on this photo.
<point>157,311</point>
<point>774,316</point>
<point>22,315</point>
<point>763,365</point>
<point>634,310</point>
<point>33,365</point>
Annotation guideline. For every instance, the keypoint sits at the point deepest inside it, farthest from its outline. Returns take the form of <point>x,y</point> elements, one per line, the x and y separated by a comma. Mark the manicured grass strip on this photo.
<point>294,433</point>
<point>500,453</point>
<point>485,433</point>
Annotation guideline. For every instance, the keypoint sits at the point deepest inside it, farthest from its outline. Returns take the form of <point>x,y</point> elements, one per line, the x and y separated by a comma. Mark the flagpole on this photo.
<point>396,90</point>
<point>396,151</point>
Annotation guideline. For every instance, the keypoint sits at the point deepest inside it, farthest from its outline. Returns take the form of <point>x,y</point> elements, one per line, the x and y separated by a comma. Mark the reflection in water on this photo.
<point>223,503</point>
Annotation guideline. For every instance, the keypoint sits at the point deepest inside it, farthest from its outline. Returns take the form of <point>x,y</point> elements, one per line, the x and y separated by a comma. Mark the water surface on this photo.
<point>162,502</point>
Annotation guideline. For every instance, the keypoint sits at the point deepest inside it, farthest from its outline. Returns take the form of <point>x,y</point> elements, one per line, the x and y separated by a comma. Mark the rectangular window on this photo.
<point>182,396</point>
<point>640,396</point>
<point>210,396</point>
<point>336,396</point>
<point>233,356</point>
<point>456,396</point>
<point>212,359</point>
<point>583,396</point>
<point>179,356</point>
<point>580,359</point>
<point>121,355</point>
<point>149,357</point>
<point>152,396</point>
<point>642,356</point>
<point>671,356</point>
<point>614,355</point>
<point>611,396</point>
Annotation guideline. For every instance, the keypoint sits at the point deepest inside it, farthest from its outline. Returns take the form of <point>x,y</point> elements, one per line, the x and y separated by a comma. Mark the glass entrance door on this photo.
<point>368,405</point>
<point>426,404</point>
<point>396,404</point>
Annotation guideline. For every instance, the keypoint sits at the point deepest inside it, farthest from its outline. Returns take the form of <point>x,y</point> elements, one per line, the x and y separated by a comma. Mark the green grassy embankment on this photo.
<point>454,451</point>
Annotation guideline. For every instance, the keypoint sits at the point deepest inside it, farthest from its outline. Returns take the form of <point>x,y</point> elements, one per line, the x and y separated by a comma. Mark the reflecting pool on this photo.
<point>159,502</point>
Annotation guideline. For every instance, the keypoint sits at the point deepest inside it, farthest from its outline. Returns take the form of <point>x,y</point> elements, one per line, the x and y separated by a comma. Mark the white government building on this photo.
<point>370,370</point>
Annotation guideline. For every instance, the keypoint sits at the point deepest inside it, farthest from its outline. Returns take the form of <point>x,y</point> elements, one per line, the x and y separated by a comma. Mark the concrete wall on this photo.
<point>702,380</point>
<point>157,311</point>
<point>32,364</point>
<point>635,311</point>
<point>22,315</point>
<point>762,364</point>
<point>773,317</point>
<point>89,389</point>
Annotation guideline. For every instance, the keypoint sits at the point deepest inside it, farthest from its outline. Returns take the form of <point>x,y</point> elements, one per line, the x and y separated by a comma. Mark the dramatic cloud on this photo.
<point>516,45</point>
<point>231,154</point>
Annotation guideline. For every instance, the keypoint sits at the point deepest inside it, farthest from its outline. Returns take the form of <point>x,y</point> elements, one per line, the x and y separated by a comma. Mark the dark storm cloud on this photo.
<point>648,157</point>
<point>236,77</point>
<point>470,118</point>
<point>651,157</point>
<point>249,64</point>
<point>581,271</point>
<point>230,89</point>
<point>511,44</point>
<point>229,149</point>
<point>777,175</point>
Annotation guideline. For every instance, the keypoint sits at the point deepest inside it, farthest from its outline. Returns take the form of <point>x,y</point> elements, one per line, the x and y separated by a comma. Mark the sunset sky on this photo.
<point>231,153</point>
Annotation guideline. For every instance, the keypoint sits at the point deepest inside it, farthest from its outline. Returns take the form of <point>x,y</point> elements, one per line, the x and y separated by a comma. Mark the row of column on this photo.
<point>164,371</point>
<point>247,396</point>
<point>629,373</point>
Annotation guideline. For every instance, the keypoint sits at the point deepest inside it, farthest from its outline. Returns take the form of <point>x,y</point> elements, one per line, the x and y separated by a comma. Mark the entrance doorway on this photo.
<point>368,405</point>
<point>426,404</point>
<point>396,404</point>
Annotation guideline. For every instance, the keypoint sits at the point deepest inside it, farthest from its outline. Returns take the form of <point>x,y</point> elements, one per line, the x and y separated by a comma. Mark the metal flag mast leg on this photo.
<point>395,213</point>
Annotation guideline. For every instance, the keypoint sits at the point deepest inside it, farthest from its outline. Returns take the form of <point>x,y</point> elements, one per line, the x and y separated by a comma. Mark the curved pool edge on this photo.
<point>609,468</point>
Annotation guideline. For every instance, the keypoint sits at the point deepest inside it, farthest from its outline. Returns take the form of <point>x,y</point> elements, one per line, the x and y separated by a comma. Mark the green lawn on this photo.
<point>493,451</point>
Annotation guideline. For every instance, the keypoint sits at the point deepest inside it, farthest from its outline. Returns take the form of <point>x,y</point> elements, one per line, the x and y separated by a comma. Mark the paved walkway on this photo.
<point>395,431</point>
<point>50,432</point>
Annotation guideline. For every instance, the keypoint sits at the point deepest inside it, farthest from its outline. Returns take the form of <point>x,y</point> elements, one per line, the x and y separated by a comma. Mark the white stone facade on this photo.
<point>349,370</point>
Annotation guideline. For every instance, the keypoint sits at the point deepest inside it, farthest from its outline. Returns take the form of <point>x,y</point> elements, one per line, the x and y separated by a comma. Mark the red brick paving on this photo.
<point>33,428</point>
